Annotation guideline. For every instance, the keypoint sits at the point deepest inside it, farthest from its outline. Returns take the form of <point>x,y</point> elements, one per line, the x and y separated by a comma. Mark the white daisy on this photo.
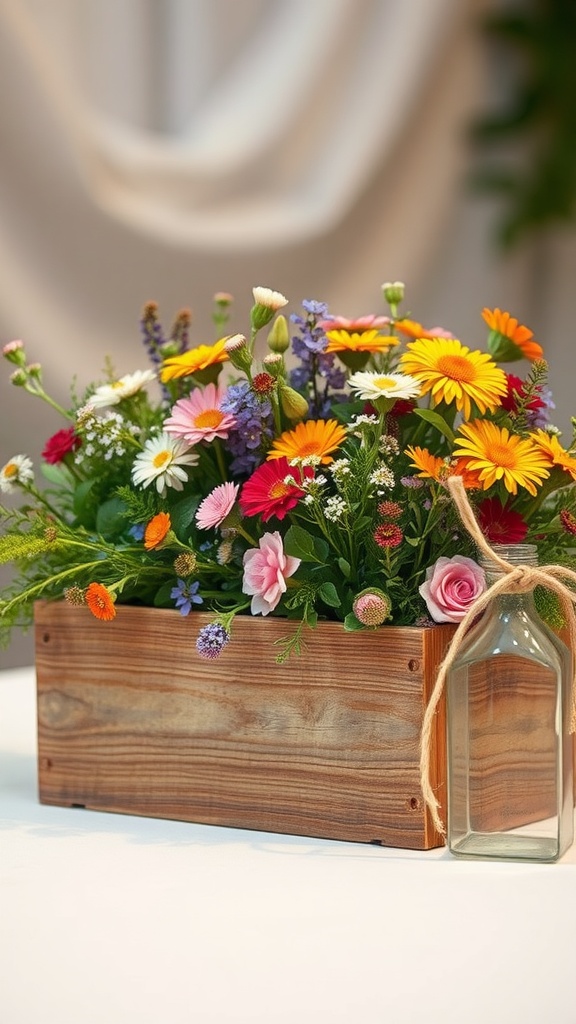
<point>125,387</point>
<point>17,471</point>
<point>266,297</point>
<point>161,463</point>
<point>369,385</point>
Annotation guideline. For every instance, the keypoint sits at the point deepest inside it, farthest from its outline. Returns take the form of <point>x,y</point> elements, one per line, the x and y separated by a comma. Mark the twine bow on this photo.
<point>516,579</point>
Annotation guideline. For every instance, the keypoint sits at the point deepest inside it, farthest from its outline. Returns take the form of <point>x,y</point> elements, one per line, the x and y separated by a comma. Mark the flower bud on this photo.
<point>293,404</point>
<point>279,336</point>
<point>393,292</point>
<point>372,607</point>
<point>14,352</point>
<point>238,352</point>
<point>266,304</point>
<point>274,364</point>
<point>19,378</point>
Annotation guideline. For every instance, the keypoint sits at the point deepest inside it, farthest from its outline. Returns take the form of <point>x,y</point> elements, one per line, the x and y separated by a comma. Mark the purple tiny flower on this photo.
<point>185,595</point>
<point>211,640</point>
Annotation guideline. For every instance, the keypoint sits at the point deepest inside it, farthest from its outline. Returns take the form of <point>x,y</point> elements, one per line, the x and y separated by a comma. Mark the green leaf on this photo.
<point>182,515</point>
<point>328,593</point>
<point>321,549</point>
<point>345,567</point>
<point>83,503</point>
<point>414,542</point>
<point>298,543</point>
<point>351,623</point>
<point>56,474</point>
<point>110,518</point>
<point>436,420</point>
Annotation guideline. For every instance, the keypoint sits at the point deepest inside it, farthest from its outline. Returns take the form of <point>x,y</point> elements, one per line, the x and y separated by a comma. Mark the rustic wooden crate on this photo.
<point>131,719</point>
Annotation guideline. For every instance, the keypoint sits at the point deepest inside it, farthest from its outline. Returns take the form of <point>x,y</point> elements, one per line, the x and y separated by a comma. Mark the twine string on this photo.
<point>516,579</point>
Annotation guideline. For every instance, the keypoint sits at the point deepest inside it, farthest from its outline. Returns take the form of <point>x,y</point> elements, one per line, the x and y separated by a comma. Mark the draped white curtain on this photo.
<point>169,150</point>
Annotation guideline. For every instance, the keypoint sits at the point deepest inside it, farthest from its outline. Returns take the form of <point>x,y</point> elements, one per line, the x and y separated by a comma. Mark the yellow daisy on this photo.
<point>195,359</point>
<point>496,454</point>
<point>453,373</point>
<point>359,341</point>
<point>553,451</point>
<point>312,440</point>
<point>508,339</point>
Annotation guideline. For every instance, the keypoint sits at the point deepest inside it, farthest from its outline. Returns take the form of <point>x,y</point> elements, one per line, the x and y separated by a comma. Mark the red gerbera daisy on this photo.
<point>500,524</point>
<point>273,489</point>
<point>516,391</point>
<point>58,446</point>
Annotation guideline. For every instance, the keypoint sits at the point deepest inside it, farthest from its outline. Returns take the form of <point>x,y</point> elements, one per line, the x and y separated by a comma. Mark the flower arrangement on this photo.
<point>309,484</point>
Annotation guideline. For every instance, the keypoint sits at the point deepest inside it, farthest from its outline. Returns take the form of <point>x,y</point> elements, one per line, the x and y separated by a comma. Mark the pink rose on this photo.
<point>266,569</point>
<point>451,586</point>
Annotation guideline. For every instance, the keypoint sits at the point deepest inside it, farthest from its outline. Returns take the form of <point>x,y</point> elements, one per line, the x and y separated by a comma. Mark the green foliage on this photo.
<point>529,148</point>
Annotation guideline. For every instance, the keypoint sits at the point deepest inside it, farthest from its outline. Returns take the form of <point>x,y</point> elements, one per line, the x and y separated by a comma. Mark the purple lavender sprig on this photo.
<point>254,430</point>
<point>309,346</point>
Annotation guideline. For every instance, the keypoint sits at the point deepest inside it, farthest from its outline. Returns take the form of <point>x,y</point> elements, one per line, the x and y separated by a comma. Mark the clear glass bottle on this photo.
<point>510,789</point>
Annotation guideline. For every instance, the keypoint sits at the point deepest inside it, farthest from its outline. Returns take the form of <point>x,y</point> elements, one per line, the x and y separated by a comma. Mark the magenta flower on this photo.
<point>200,417</point>
<point>266,569</point>
<point>451,587</point>
<point>216,506</point>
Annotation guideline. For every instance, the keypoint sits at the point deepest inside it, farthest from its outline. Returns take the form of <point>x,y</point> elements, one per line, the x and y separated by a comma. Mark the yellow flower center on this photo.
<point>278,489</point>
<point>502,455</point>
<point>209,418</point>
<point>117,384</point>
<point>161,459</point>
<point>10,470</point>
<point>385,382</point>
<point>457,368</point>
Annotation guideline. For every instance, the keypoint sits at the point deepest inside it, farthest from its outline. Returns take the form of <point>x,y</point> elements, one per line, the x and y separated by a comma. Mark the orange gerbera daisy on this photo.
<point>433,467</point>
<point>311,440</point>
<point>554,452</point>
<point>194,360</point>
<point>156,530</point>
<point>509,340</point>
<point>413,329</point>
<point>359,341</point>
<point>100,602</point>
<point>498,455</point>
<point>451,372</point>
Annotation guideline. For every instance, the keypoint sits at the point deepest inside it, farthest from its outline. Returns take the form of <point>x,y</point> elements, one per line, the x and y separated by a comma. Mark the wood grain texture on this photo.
<point>131,719</point>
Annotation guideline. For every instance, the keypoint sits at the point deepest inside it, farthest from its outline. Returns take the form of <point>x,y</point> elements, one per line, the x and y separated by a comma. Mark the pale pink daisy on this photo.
<point>266,569</point>
<point>199,416</point>
<point>216,506</point>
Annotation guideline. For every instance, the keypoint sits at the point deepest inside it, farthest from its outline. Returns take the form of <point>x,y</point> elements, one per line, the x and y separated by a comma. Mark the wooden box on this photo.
<point>131,719</point>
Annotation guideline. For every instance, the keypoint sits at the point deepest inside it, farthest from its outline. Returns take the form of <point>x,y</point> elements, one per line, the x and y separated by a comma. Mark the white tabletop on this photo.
<point>106,919</point>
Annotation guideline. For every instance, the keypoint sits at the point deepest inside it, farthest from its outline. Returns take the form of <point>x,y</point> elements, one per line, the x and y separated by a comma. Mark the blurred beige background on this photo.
<point>169,150</point>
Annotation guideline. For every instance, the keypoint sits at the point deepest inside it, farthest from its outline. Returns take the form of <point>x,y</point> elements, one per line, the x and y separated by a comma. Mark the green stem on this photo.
<point>220,459</point>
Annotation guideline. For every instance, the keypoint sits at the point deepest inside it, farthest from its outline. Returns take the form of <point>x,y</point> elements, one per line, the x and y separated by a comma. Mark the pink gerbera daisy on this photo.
<point>216,506</point>
<point>199,416</point>
<point>273,489</point>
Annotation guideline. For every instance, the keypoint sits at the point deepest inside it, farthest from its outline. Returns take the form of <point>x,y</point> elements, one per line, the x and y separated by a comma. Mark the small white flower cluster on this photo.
<point>339,469</point>
<point>388,445</point>
<point>104,435</point>
<point>335,509</point>
<point>313,488</point>
<point>382,478</point>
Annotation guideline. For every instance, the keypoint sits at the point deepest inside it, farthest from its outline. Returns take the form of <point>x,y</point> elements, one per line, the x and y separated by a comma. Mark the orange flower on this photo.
<point>156,530</point>
<point>312,440</point>
<point>433,467</point>
<point>359,341</point>
<point>194,360</point>
<point>553,451</point>
<point>508,339</point>
<point>412,329</point>
<point>100,602</point>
